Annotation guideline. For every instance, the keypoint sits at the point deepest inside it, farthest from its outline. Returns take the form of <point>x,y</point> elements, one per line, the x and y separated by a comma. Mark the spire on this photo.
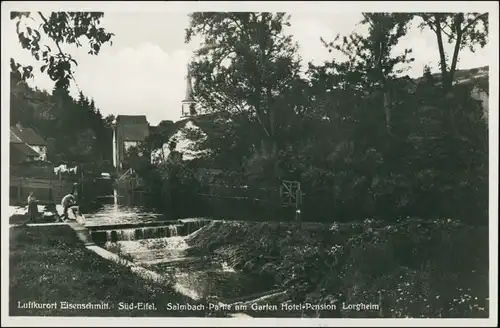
<point>189,87</point>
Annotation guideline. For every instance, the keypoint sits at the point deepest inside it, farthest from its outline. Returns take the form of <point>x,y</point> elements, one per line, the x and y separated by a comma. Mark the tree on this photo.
<point>60,28</point>
<point>246,66</point>
<point>85,145</point>
<point>370,57</point>
<point>465,30</point>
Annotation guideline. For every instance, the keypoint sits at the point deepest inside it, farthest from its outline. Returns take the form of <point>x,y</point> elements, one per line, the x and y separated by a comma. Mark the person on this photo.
<point>32,207</point>
<point>67,201</point>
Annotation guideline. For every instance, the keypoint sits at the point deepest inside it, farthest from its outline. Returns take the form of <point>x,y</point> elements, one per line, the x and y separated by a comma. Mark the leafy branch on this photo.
<point>60,28</point>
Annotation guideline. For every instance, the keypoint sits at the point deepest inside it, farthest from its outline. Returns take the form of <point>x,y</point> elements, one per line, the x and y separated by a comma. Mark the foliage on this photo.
<point>59,28</point>
<point>465,30</point>
<point>371,142</point>
<point>70,127</point>
<point>52,263</point>
<point>424,267</point>
<point>74,129</point>
<point>246,66</point>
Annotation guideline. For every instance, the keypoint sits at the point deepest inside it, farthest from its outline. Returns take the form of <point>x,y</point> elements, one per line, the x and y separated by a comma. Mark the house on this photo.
<point>180,134</point>
<point>31,139</point>
<point>181,131</point>
<point>29,169</point>
<point>20,151</point>
<point>128,131</point>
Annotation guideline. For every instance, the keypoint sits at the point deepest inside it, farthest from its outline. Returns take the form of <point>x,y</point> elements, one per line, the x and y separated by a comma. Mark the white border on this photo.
<point>290,6</point>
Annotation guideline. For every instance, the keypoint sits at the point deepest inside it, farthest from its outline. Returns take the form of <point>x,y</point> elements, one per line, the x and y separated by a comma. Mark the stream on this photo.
<point>161,247</point>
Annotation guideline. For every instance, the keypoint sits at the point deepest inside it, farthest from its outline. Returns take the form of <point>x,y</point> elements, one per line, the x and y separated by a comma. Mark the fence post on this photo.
<point>298,203</point>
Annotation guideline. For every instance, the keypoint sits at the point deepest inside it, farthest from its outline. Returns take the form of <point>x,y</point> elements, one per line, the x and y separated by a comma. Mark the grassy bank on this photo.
<point>50,264</point>
<point>422,268</point>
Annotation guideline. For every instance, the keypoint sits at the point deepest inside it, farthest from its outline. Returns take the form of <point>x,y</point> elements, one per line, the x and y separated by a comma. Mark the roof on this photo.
<point>27,135</point>
<point>21,148</point>
<point>14,138</point>
<point>131,119</point>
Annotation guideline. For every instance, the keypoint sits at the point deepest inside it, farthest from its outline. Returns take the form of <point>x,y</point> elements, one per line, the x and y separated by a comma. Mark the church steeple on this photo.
<point>188,104</point>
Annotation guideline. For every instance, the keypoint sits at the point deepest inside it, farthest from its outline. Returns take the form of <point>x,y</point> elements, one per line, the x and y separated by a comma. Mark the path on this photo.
<point>38,224</point>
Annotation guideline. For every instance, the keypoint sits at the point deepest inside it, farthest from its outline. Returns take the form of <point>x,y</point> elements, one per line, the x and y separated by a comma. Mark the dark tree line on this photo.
<point>361,136</point>
<point>74,129</point>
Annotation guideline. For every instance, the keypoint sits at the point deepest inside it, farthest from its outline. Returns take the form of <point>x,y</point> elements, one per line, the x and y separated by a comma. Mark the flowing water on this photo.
<point>149,240</point>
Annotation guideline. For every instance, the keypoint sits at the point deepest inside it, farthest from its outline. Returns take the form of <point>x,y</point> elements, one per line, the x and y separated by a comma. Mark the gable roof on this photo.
<point>27,135</point>
<point>131,119</point>
<point>14,138</point>
<point>23,149</point>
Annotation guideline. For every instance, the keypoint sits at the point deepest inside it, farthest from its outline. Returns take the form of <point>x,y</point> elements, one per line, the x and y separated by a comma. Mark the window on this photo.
<point>192,109</point>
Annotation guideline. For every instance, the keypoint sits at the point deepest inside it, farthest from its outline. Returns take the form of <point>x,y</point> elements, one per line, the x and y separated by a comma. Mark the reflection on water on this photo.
<point>115,214</point>
<point>115,209</point>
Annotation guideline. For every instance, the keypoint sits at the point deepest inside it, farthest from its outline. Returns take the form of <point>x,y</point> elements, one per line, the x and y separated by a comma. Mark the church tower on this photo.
<point>188,104</point>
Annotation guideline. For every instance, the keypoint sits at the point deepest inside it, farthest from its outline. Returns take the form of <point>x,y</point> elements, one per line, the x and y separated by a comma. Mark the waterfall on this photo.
<point>173,231</point>
<point>127,234</point>
<point>108,235</point>
<point>192,225</point>
<point>166,231</point>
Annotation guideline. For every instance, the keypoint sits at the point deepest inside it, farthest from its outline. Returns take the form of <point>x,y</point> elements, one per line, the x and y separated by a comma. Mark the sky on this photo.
<point>143,72</point>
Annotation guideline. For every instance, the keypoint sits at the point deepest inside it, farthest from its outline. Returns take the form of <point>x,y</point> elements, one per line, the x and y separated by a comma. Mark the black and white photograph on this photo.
<point>276,163</point>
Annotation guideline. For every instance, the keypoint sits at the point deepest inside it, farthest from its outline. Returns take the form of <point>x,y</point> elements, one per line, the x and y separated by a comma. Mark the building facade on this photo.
<point>128,131</point>
<point>22,138</point>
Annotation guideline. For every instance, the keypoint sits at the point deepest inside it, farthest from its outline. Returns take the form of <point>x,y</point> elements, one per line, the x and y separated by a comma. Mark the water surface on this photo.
<point>163,249</point>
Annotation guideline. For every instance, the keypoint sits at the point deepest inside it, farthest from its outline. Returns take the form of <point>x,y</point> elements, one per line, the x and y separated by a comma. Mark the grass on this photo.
<point>425,268</point>
<point>50,264</point>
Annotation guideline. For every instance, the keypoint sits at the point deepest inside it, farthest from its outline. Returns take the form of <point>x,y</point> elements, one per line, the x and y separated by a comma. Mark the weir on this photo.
<point>161,247</point>
<point>146,230</point>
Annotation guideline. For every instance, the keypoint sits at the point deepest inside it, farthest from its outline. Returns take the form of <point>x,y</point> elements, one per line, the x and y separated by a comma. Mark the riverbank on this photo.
<point>420,268</point>
<point>414,268</point>
<point>50,266</point>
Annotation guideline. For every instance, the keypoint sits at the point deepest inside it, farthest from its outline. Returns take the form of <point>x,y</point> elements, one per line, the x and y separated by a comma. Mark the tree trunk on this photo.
<point>387,110</point>
<point>458,27</point>
<point>442,55</point>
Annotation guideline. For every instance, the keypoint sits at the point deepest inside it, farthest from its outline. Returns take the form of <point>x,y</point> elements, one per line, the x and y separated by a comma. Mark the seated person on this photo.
<point>67,201</point>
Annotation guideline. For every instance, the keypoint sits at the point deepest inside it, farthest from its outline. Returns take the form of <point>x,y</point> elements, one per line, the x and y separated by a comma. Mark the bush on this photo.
<point>423,268</point>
